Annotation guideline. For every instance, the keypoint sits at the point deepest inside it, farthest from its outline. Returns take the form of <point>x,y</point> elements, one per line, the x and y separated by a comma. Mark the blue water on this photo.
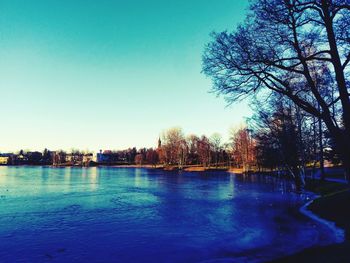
<point>140,215</point>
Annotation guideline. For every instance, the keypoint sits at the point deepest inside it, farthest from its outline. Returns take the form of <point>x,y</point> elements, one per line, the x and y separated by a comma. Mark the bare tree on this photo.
<point>243,147</point>
<point>204,148</point>
<point>192,142</point>
<point>174,146</point>
<point>152,157</point>
<point>279,135</point>
<point>139,159</point>
<point>215,140</point>
<point>277,49</point>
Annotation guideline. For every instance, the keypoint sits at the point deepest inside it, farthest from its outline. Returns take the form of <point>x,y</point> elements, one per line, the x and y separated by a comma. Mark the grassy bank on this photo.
<point>333,205</point>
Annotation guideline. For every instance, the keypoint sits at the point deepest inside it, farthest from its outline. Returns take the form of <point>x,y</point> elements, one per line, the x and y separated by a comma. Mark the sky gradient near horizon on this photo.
<point>109,74</point>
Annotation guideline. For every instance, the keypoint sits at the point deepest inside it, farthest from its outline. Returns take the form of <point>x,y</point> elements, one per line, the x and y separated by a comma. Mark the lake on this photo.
<point>144,215</point>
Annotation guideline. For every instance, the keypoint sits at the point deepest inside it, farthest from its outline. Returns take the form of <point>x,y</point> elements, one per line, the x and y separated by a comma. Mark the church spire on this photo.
<point>159,143</point>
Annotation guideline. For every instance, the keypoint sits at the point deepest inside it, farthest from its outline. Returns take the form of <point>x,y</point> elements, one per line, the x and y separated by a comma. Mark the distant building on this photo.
<point>20,159</point>
<point>6,158</point>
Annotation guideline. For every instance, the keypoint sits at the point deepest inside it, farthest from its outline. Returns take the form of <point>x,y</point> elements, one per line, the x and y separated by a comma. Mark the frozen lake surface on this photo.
<point>140,215</point>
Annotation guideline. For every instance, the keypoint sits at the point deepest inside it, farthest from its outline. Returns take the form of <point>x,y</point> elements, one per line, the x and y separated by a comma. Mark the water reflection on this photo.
<point>93,175</point>
<point>137,215</point>
<point>141,178</point>
<point>276,184</point>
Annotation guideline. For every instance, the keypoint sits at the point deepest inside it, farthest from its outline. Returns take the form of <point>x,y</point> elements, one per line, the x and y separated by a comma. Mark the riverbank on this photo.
<point>187,168</point>
<point>332,205</point>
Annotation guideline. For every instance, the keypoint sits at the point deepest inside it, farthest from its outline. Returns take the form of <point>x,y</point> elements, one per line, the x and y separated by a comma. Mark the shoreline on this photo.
<point>187,168</point>
<point>339,232</point>
<point>329,208</point>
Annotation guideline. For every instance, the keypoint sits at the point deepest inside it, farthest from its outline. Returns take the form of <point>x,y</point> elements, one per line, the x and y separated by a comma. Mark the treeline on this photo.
<point>278,138</point>
<point>178,149</point>
<point>46,157</point>
<point>175,149</point>
<point>128,156</point>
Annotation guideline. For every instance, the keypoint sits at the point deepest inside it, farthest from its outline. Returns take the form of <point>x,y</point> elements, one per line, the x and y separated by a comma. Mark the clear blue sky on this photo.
<point>109,74</point>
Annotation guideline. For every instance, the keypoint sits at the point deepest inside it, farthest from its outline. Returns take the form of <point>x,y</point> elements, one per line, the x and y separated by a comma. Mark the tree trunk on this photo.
<point>321,159</point>
<point>321,150</point>
<point>342,139</point>
<point>298,177</point>
<point>338,68</point>
<point>346,165</point>
<point>300,142</point>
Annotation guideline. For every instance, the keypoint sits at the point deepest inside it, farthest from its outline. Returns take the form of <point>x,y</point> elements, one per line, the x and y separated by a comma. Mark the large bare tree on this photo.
<point>174,146</point>
<point>298,48</point>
